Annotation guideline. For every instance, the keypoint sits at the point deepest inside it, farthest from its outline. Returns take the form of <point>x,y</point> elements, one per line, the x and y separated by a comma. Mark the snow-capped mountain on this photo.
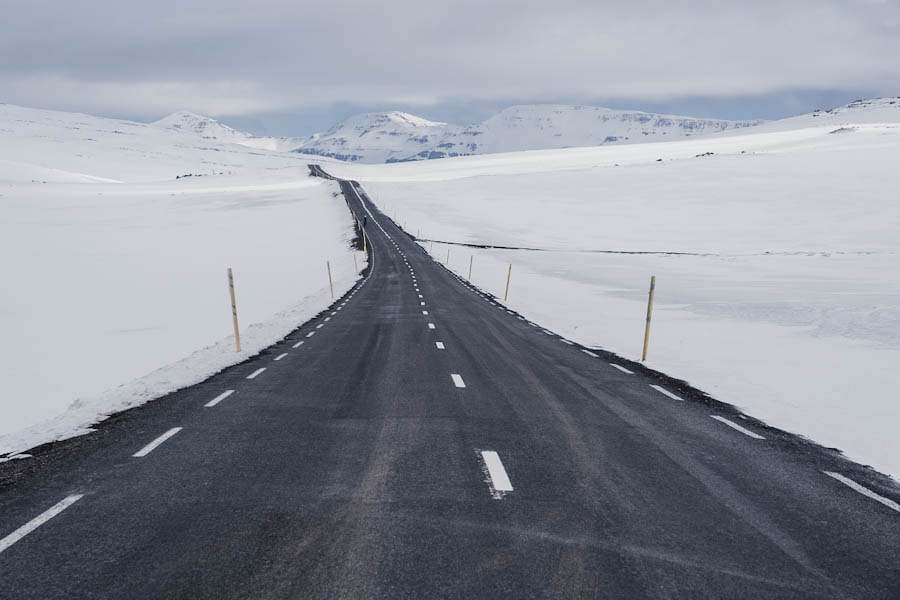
<point>396,136</point>
<point>377,137</point>
<point>542,126</point>
<point>210,129</point>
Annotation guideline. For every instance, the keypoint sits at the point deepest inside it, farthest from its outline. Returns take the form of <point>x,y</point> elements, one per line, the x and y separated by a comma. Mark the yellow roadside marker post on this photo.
<point>508,275</point>
<point>330,285</point>
<point>649,314</point>
<point>237,334</point>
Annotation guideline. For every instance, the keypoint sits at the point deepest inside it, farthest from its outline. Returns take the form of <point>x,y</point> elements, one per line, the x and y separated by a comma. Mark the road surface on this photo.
<point>419,440</point>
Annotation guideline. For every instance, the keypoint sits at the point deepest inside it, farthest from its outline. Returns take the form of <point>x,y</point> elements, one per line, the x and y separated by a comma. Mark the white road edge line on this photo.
<point>218,398</point>
<point>440,345</point>
<point>852,485</point>
<point>500,483</point>
<point>39,520</point>
<point>624,370</point>
<point>256,373</point>
<point>155,443</point>
<point>280,356</point>
<point>457,380</point>
<point>565,341</point>
<point>665,392</point>
<point>737,427</point>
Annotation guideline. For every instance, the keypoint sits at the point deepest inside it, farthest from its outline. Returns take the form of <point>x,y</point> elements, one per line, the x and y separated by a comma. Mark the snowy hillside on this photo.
<point>61,146</point>
<point>376,138</point>
<point>776,254</point>
<point>875,110</point>
<point>210,129</point>
<point>543,126</point>
<point>114,287</point>
<point>398,137</point>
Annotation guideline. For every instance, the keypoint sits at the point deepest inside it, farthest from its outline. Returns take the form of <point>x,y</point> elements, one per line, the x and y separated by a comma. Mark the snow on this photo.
<point>787,304</point>
<point>395,137</point>
<point>210,129</point>
<point>123,150</point>
<point>116,293</point>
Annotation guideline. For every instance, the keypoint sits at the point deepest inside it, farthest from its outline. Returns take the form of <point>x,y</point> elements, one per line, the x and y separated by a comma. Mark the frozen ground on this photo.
<point>116,293</point>
<point>789,306</point>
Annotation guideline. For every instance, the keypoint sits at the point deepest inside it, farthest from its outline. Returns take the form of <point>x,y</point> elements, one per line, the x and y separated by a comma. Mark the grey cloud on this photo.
<point>230,57</point>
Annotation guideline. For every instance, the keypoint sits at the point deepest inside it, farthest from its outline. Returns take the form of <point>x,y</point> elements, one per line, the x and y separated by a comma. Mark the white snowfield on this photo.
<point>787,304</point>
<point>116,293</point>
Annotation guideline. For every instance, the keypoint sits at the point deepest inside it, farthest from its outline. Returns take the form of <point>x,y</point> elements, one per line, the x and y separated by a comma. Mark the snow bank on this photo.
<point>786,305</point>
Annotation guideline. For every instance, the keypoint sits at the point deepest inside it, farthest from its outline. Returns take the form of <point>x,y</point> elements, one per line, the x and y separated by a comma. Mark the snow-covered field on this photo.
<point>788,304</point>
<point>116,293</point>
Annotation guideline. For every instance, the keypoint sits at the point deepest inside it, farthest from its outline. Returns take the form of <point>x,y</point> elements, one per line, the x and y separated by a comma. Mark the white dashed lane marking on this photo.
<point>431,326</point>
<point>589,353</point>
<point>297,345</point>
<point>256,373</point>
<point>457,380</point>
<point>218,398</point>
<point>156,443</point>
<point>863,490</point>
<point>39,520</point>
<point>666,392</point>
<point>623,369</point>
<point>310,334</point>
<point>440,345</point>
<point>737,427</point>
<point>500,483</point>
<point>280,356</point>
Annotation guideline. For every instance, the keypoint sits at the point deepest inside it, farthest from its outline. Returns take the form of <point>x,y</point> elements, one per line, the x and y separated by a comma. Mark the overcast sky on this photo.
<point>291,67</point>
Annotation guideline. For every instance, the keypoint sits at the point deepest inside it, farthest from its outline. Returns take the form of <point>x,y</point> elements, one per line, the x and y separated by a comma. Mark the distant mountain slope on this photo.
<point>377,138</point>
<point>210,129</point>
<point>396,137</point>
<point>543,126</point>
<point>48,145</point>
<point>858,112</point>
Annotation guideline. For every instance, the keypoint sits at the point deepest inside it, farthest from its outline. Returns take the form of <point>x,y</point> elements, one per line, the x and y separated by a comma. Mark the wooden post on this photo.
<point>448,256</point>
<point>649,314</point>
<point>355,265</point>
<point>365,251</point>
<point>330,285</point>
<point>431,248</point>
<point>508,275</point>
<point>471,257</point>
<point>237,333</point>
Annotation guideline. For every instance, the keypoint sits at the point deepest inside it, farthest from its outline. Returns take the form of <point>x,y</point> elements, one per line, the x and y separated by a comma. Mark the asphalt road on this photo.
<point>357,466</point>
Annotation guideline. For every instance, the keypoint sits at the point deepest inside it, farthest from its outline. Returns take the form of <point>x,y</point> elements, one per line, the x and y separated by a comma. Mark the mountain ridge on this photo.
<point>396,136</point>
